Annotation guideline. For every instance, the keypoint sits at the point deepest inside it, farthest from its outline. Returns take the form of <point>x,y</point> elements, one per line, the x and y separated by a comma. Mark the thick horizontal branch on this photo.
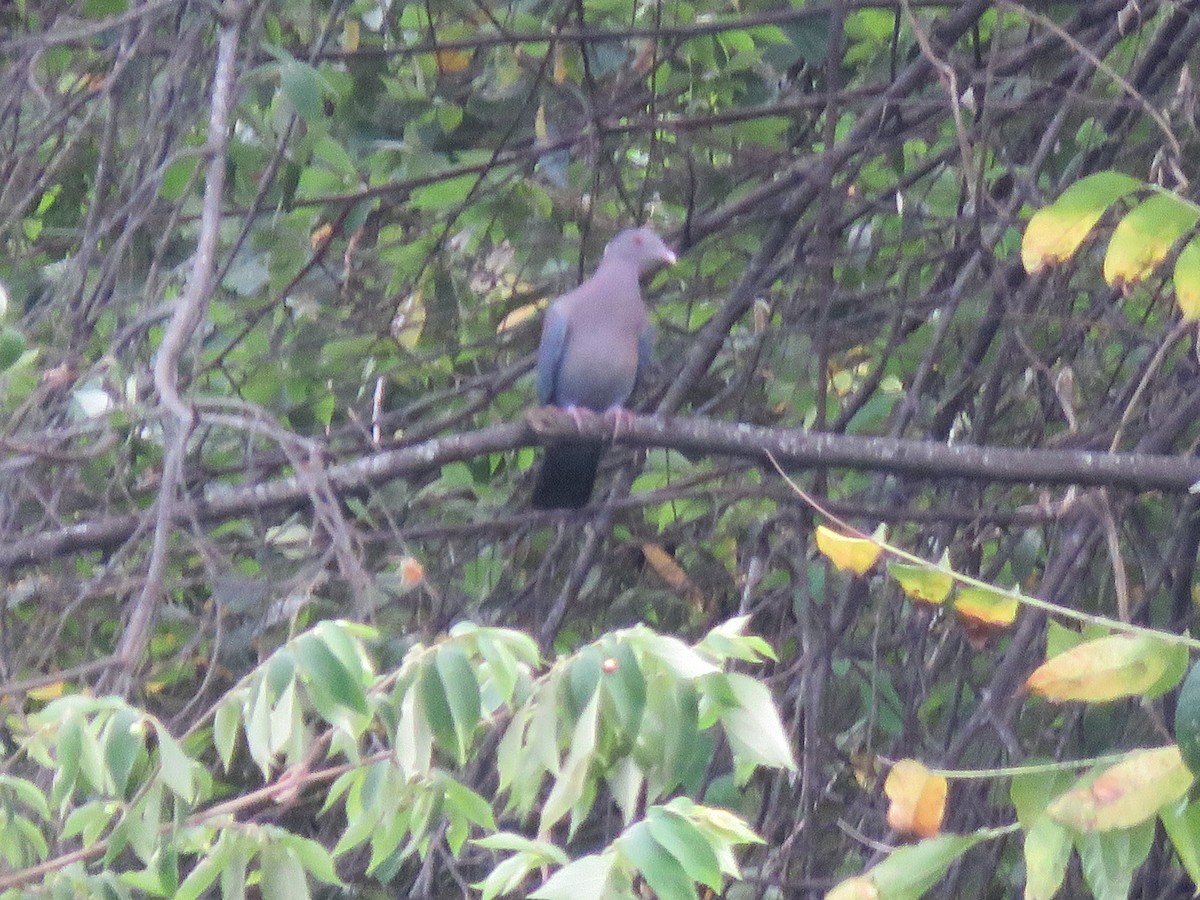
<point>792,448</point>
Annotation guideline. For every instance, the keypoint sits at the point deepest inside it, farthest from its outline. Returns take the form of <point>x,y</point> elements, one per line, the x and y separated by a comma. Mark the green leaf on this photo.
<point>662,871</point>
<point>69,757</point>
<point>313,856</point>
<point>325,674</point>
<point>570,784</point>
<point>177,769</point>
<point>473,806</point>
<point>517,843</point>
<point>207,870</point>
<point>585,879</point>
<point>438,715</point>
<point>123,741</point>
<point>685,842</point>
<point>678,656</point>
<point>506,878</point>
<point>414,737</point>
<point>754,729</point>
<point>28,793</point>
<point>89,820</point>
<point>225,724</point>
<point>1111,858</point>
<point>1187,719</point>
<point>462,695</point>
<point>304,88</point>
<point>1181,820</point>
<point>258,730</point>
<point>177,177</point>
<point>910,871</point>
<point>12,346</point>
<point>625,686</point>
<point>443,195</point>
<point>1032,792</point>
<point>583,676</point>
<point>1047,852</point>
<point>283,876</point>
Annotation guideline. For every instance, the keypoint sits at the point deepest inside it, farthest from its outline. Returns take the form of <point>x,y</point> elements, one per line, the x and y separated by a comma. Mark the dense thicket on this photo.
<point>255,253</point>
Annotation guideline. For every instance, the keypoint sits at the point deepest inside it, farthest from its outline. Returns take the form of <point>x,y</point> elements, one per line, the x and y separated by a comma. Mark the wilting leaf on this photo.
<point>1125,794</point>
<point>1055,233</point>
<point>1119,665</point>
<point>1143,238</point>
<point>918,799</point>
<point>850,554</point>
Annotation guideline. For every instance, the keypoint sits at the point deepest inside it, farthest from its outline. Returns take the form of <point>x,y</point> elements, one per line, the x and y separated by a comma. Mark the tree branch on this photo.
<point>792,447</point>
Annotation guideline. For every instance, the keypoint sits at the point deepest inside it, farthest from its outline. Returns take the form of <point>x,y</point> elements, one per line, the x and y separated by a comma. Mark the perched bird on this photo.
<point>596,340</point>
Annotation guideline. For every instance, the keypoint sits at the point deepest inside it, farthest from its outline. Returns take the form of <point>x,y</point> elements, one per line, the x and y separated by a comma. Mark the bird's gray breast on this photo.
<point>598,370</point>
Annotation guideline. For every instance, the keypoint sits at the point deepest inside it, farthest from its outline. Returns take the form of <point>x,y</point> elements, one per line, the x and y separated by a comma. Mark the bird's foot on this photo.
<point>621,417</point>
<point>576,415</point>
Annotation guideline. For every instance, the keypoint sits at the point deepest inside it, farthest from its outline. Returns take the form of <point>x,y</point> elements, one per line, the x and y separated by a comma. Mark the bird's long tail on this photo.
<point>567,475</point>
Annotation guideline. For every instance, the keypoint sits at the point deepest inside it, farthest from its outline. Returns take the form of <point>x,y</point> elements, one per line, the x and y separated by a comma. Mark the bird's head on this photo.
<point>642,247</point>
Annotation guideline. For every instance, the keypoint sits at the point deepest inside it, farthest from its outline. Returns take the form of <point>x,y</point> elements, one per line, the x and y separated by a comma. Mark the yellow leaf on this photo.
<point>866,769</point>
<point>987,605</point>
<point>351,34</point>
<point>1126,794</point>
<point>1143,238</point>
<point>560,65</point>
<point>984,611</point>
<point>1119,665</point>
<point>451,61</point>
<point>850,554</point>
<point>320,236</point>
<point>918,799</point>
<point>929,584</point>
<point>51,691</point>
<point>1187,280</point>
<point>517,316</point>
<point>1055,233</point>
<point>409,321</point>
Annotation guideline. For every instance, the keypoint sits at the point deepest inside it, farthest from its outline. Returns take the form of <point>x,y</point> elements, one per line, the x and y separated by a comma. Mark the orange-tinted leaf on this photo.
<point>850,554</point>
<point>1055,233</point>
<point>411,572</point>
<point>517,316</point>
<point>1187,280</point>
<point>560,65</point>
<point>983,612</point>
<point>918,799</point>
<point>665,566</point>
<point>1126,794</point>
<point>1118,665</point>
<point>1143,238</point>
<point>451,61</point>
<point>987,605</point>
<point>858,887</point>
<point>320,236</point>
<point>929,584</point>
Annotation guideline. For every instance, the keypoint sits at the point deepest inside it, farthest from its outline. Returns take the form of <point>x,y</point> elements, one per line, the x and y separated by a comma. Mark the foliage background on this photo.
<point>402,186</point>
